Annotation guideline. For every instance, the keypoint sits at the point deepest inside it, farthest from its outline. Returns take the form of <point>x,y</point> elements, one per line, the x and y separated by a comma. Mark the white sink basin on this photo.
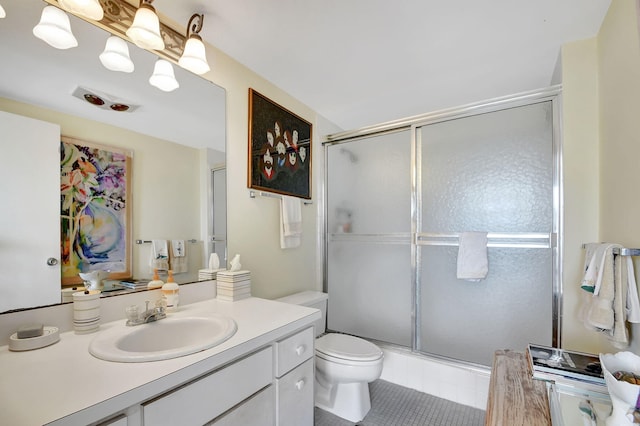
<point>163,339</point>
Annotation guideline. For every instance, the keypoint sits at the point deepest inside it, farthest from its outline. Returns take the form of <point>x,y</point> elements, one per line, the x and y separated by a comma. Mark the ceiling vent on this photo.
<point>102,100</point>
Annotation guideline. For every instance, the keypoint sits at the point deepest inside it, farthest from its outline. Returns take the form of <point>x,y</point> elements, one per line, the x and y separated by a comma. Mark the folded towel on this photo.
<point>290,222</point>
<point>178,258</point>
<point>159,258</point>
<point>472,256</point>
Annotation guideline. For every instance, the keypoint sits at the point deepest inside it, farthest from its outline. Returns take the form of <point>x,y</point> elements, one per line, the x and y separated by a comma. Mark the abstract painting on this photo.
<point>95,210</point>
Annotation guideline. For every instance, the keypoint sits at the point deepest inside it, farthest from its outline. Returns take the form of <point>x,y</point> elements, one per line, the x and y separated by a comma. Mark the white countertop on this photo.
<point>45,385</point>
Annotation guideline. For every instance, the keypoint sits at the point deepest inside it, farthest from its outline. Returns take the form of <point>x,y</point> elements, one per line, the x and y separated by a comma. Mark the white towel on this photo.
<point>178,257</point>
<point>159,258</point>
<point>290,222</point>
<point>472,256</point>
<point>607,308</point>
<point>633,304</point>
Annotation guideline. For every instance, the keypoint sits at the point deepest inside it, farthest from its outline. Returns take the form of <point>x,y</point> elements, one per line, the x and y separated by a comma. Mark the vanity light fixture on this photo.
<point>163,77</point>
<point>145,29</point>
<point>194,57</point>
<point>116,55</point>
<point>54,28</point>
<point>88,8</point>
<point>2,12</point>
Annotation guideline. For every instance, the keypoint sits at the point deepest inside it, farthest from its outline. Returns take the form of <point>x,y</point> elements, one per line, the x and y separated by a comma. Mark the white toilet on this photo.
<point>345,365</point>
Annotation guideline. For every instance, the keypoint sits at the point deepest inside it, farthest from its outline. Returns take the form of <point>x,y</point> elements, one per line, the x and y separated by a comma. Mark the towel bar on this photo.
<point>624,251</point>
<point>193,240</point>
<point>252,194</point>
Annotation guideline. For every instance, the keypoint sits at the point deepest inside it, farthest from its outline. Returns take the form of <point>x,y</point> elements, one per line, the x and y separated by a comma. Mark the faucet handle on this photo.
<point>132,312</point>
<point>161,304</point>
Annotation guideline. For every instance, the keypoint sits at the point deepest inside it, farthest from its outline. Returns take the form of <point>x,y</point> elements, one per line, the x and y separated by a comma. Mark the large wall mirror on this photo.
<point>176,139</point>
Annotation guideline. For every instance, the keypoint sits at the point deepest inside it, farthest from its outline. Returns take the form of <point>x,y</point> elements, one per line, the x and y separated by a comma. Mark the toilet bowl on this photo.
<point>345,365</point>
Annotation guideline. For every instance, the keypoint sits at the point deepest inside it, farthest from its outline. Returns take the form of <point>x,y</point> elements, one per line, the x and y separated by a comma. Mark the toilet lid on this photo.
<point>347,347</point>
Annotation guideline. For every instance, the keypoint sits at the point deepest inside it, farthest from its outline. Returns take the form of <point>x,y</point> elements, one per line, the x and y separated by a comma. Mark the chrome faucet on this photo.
<point>149,315</point>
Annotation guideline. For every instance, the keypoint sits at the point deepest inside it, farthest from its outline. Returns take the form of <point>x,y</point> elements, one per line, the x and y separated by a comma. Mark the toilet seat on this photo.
<point>343,347</point>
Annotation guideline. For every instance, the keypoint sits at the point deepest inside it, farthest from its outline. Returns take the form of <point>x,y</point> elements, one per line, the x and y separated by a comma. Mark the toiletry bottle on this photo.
<point>170,293</point>
<point>155,282</point>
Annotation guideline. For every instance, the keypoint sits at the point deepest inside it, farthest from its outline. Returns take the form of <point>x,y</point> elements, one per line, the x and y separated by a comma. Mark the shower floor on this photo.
<point>394,405</point>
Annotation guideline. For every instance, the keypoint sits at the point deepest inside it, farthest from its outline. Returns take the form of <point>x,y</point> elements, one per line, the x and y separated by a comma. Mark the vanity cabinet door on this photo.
<point>206,398</point>
<point>294,396</point>
<point>259,410</point>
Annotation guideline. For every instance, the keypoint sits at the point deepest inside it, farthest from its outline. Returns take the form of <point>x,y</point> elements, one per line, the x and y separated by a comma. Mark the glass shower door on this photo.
<point>494,173</point>
<point>368,238</point>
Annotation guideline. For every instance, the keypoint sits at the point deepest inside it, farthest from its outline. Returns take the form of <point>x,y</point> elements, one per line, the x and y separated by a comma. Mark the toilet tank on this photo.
<point>312,299</point>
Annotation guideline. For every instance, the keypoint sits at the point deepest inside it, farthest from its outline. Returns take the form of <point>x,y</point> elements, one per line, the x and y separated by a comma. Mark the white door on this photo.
<point>29,220</point>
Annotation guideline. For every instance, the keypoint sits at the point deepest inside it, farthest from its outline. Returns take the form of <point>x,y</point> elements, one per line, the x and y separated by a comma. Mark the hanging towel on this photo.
<point>178,256</point>
<point>633,304</point>
<point>606,309</point>
<point>159,258</point>
<point>600,312</point>
<point>472,256</point>
<point>290,222</point>
<point>593,256</point>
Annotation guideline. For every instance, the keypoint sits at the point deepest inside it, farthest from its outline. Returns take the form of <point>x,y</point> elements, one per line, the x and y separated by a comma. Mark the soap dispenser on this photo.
<point>155,282</point>
<point>170,291</point>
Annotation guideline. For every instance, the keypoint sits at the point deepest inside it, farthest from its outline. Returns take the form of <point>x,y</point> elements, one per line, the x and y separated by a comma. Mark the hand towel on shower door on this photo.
<point>290,222</point>
<point>472,256</point>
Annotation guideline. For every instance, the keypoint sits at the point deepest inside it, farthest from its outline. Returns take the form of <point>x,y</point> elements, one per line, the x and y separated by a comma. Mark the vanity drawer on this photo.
<point>294,350</point>
<point>259,410</point>
<point>204,399</point>
<point>294,396</point>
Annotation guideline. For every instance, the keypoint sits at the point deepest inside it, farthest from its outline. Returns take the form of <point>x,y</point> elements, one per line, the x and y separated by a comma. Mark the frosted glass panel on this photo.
<point>369,185</point>
<point>370,291</point>
<point>494,173</point>
<point>491,172</point>
<point>369,205</point>
<point>469,320</point>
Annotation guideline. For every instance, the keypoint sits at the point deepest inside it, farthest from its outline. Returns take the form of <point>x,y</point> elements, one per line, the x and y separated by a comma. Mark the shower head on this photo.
<point>352,157</point>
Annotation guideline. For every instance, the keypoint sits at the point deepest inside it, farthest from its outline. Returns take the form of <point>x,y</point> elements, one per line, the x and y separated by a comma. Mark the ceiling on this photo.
<point>363,62</point>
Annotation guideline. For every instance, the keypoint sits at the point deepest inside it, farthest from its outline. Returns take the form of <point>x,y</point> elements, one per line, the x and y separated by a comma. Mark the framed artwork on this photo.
<point>95,210</point>
<point>279,149</point>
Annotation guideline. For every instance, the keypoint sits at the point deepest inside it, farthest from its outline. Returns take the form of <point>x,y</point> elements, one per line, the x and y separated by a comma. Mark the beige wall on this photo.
<point>619,80</point>
<point>601,91</point>
<point>253,224</point>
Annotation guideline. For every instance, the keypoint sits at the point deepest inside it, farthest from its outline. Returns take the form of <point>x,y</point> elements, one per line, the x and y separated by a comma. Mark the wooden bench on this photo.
<point>515,399</point>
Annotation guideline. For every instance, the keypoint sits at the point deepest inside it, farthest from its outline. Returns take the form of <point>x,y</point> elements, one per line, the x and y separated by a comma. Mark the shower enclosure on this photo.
<point>399,195</point>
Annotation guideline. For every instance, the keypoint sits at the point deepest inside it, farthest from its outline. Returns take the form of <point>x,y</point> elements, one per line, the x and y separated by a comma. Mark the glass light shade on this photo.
<point>145,29</point>
<point>2,12</point>
<point>163,77</point>
<point>194,57</point>
<point>116,55</point>
<point>54,29</point>
<point>88,8</point>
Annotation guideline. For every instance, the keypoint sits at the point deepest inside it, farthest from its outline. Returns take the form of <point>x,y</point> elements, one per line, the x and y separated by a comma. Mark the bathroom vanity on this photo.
<point>262,375</point>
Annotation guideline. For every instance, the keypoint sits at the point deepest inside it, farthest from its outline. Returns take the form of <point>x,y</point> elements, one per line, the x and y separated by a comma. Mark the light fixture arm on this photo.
<point>195,25</point>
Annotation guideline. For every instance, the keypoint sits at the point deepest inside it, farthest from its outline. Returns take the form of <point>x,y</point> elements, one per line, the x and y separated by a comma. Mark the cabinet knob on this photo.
<point>300,349</point>
<point>299,384</point>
